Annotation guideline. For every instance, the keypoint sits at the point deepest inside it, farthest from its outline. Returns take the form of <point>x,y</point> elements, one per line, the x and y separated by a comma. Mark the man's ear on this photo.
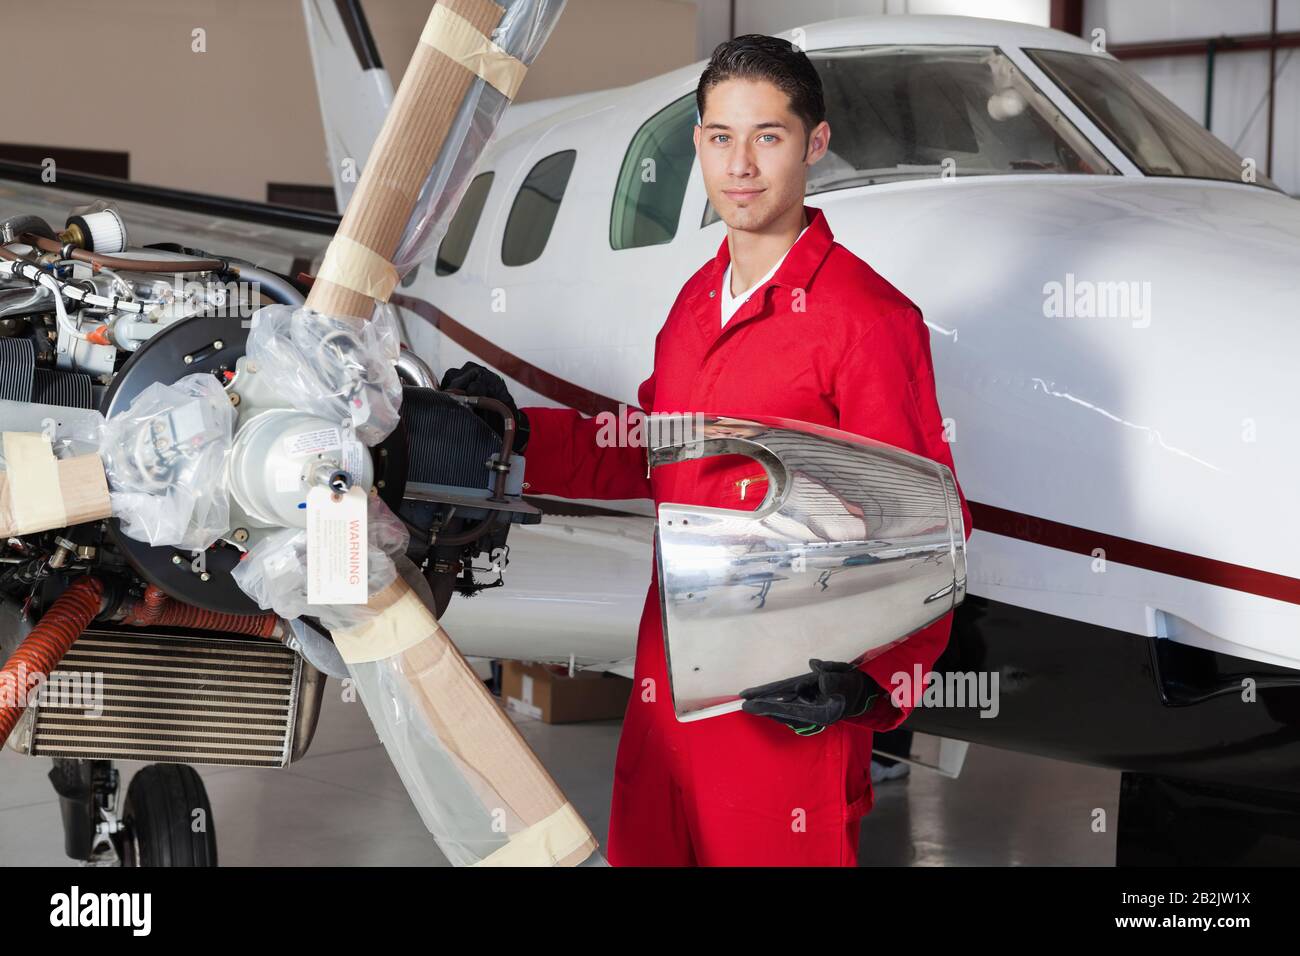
<point>696,135</point>
<point>819,141</point>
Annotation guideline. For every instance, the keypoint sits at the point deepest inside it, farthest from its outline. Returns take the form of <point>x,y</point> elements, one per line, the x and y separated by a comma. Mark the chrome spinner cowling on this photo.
<point>856,546</point>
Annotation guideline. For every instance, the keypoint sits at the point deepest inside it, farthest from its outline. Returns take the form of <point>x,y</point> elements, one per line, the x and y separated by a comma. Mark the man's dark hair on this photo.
<point>758,57</point>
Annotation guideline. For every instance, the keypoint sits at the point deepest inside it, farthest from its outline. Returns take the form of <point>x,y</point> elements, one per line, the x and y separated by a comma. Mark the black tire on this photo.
<point>157,819</point>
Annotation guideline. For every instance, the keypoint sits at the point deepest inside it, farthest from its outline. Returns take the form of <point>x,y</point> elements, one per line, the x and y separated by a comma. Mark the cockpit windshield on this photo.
<point>1156,135</point>
<point>917,112</point>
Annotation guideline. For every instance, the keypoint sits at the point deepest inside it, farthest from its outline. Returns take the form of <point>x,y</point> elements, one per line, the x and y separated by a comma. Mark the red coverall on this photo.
<point>826,340</point>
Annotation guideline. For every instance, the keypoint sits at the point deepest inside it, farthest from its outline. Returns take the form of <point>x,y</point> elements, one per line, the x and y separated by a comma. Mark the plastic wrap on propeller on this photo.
<point>462,805</point>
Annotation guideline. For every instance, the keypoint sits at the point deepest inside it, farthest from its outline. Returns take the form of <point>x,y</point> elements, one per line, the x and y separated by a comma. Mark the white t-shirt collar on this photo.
<point>729,303</point>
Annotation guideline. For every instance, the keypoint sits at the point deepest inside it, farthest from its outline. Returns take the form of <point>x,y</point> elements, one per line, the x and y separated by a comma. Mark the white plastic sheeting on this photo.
<point>165,459</point>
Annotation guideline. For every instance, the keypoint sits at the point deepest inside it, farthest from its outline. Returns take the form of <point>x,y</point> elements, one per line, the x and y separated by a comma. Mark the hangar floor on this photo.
<point>343,804</point>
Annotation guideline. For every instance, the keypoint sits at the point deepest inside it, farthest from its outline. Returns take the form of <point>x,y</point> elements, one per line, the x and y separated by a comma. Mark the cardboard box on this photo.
<point>537,690</point>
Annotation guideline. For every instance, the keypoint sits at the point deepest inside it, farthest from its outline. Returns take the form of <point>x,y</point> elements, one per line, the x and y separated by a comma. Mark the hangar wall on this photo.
<point>123,77</point>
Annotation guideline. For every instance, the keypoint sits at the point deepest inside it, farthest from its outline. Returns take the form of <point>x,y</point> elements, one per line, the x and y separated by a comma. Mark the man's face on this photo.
<point>754,152</point>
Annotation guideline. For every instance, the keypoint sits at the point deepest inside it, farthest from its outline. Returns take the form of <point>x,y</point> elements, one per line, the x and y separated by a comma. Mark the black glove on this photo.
<point>808,703</point>
<point>474,379</point>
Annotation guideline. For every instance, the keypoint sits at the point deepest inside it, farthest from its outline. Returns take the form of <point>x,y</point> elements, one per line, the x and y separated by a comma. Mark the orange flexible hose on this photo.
<point>159,610</point>
<point>42,650</point>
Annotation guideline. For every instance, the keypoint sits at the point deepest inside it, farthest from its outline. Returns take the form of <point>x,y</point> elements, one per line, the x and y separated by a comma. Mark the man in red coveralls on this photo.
<point>784,321</point>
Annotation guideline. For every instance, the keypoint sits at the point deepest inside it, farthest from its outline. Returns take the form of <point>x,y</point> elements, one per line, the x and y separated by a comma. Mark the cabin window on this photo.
<point>455,245</point>
<point>652,181</point>
<point>533,212</point>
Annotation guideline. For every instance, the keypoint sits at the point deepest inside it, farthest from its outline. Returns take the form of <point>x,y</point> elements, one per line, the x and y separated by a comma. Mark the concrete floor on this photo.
<point>343,805</point>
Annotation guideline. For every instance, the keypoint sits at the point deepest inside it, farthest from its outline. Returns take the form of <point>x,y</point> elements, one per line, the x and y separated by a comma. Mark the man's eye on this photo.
<point>771,136</point>
<point>719,137</point>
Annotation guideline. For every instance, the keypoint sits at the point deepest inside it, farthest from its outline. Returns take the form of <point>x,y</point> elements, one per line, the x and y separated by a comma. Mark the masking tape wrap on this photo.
<point>33,500</point>
<point>484,800</point>
<point>553,838</point>
<point>49,477</point>
<point>350,264</point>
<point>393,630</point>
<point>450,33</point>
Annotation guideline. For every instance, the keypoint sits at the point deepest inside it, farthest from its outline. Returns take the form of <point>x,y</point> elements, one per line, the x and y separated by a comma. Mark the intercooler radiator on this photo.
<point>161,697</point>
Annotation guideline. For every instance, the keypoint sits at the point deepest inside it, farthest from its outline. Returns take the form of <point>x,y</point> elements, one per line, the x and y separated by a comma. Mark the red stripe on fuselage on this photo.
<point>988,518</point>
<point>509,364</point>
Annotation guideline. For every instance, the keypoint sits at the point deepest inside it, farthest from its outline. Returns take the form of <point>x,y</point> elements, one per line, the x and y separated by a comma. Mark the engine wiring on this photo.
<point>18,267</point>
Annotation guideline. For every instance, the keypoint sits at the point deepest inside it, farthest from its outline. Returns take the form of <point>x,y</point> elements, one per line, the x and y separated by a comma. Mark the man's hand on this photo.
<point>808,703</point>
<point>474,379</point>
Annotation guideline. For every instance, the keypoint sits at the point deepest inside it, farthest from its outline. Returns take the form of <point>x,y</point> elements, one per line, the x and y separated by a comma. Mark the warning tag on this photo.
<point>337,571</point>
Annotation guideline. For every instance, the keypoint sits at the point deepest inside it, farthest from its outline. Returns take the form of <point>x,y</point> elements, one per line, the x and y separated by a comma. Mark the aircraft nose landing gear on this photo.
<point>166,819</point>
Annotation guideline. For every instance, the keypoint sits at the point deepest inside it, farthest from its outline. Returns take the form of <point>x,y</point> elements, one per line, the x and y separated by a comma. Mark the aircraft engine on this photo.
<point>89,324</point>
